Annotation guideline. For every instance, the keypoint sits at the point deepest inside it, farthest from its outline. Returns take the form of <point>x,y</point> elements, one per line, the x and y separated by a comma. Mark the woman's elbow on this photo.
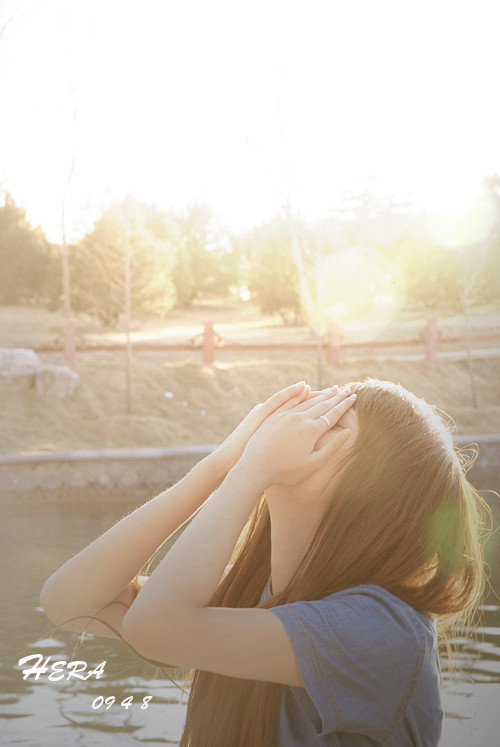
<point>49,603</point>
<point>138,630</point>
<point>60,607</point>
<point>151,639</point>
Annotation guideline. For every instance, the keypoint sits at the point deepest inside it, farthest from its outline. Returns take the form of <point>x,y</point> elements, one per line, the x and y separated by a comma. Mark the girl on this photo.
<point>316,626</point>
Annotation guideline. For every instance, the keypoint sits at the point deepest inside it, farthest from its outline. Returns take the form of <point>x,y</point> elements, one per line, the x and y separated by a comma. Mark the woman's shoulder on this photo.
<point>371,599</point>
<point>365,657</point>
<point>362,600</point>
<point>380,611</point>
<point>364,615</point>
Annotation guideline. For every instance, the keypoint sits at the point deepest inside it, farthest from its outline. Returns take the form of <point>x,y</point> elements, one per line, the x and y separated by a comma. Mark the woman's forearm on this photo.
<point>187,577</point>
<point>98,574</point>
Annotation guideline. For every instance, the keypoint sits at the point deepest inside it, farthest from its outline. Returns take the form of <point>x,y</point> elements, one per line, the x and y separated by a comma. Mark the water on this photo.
<point>39,535</point>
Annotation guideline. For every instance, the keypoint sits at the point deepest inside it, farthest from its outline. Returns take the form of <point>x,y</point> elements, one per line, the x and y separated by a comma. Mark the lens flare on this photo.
<point>360,285</point>
<point>464,222</point>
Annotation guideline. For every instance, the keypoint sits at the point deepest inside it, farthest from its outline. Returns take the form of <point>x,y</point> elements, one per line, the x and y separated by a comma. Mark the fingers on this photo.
<point>324,392</point>
<point>331,442</point>
<point>336,440</point>
<point>335,413</point>
<point>300,397</point>
<point>288,397</point>
<point>318,397</point>
<point>323,405</point>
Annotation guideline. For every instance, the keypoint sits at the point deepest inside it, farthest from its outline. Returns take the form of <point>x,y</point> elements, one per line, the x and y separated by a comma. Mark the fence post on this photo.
<point>431,339</point>
<point>333,344</point>
<point>208,342</point>
<point>69,342</point>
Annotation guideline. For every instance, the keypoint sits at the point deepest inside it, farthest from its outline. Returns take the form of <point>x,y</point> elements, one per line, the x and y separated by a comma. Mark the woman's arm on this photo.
<point>97,582</point>
<point>110,618</point>
<point>170,620</point>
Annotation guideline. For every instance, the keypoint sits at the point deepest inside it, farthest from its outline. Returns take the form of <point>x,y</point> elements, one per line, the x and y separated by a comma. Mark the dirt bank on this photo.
<point>179,402</point>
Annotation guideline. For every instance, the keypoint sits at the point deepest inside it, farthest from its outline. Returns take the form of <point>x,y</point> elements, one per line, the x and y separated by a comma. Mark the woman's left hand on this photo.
<point>228,453</point>
<point>293,443</point>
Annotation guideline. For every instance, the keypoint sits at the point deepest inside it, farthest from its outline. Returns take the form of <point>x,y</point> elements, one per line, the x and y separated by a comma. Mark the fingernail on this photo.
<point>346,434</point>
<point>354,395</point>
<point>347,390</point>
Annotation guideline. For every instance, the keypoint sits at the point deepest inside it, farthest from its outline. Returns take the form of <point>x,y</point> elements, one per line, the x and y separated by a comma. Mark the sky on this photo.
<point>244,105</point>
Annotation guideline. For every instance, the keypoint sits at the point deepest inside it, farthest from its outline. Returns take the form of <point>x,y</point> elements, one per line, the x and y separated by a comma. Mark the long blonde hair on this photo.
<point>403,516</point>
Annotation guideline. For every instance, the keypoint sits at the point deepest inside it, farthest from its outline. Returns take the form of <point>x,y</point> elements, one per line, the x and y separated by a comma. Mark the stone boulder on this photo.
<point>59,381</point>
<point>18,367</point>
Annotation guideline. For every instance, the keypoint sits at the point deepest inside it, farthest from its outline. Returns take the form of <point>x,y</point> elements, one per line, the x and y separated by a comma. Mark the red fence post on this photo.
<point>333,344</point>
<point>431,339</point>
<point>208,342</point>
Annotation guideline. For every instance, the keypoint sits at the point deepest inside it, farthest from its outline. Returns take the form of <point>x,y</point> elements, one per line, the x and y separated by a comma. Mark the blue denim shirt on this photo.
<point>370,668</point>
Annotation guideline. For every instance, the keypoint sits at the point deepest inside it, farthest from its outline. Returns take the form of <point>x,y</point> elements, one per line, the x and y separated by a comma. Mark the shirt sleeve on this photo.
<point>360,653</point>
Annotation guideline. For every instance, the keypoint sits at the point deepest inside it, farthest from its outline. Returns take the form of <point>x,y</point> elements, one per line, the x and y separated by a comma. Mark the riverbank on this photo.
<point>186,402</point>
<point>177,400</point>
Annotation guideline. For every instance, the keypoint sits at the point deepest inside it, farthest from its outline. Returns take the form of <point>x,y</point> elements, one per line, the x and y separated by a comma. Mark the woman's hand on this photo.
<point>228,453</point>
<point>298,438</point>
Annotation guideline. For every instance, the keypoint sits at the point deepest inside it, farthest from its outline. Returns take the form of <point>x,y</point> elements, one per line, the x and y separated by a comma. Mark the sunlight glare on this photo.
<point>462,216</point>
<point>191,113</point>
<point>358,284</point>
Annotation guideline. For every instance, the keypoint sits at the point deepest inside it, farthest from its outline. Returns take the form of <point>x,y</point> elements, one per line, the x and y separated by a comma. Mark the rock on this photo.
<point>18,367</point>
<point>59,381</point>
<point>21,368</point>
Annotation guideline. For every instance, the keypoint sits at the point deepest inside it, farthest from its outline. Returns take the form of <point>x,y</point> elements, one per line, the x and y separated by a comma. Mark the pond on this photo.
<point>38,535</point>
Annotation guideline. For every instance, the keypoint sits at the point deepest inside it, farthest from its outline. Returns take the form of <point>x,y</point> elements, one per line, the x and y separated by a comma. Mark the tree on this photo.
<point>432,275</point>
<point>30,267</point>
<point>205,264</point>
<point>420,269</point>
<point>270,271</point>
<point>98,262</point>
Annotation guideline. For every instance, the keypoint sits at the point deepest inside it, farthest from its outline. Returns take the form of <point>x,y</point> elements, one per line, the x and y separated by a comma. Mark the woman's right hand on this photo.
<point>228,453</point>
<point>299,439</point>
